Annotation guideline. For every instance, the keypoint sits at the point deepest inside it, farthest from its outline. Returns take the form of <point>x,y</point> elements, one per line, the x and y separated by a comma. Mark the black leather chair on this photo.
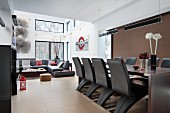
<point>118,58</point>
<point>157,62</point>
<point>165,63</point>
<point>130,92</point>
<point>102,79</point>
<point>90,76</point>
<point>131,60</point>
<point>80,73</point>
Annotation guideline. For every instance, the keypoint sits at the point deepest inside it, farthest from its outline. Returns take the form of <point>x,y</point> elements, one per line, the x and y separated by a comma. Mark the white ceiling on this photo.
<point>85,10</point>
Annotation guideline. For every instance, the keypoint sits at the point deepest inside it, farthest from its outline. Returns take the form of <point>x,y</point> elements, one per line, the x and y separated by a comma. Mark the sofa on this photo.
<point>52,67</point>
<point>60,67</point>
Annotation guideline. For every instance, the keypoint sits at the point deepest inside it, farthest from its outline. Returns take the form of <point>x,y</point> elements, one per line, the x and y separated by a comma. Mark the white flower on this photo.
<point>149,36</point>
<point>157,36</point>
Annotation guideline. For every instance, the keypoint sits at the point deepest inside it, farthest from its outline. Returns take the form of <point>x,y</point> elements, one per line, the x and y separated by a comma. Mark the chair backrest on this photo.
<point>65,65</point>
<point>165,63</point>
<point>89,70</point>
<point>101,73</point>
<point>157,62</point>
<point>131,60</point>
<point>118,58</point>
<point>119,76</point>
<point>79,67</point>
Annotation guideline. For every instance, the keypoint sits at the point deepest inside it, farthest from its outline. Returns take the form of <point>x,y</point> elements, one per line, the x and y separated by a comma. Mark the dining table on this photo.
<point>158,87</point>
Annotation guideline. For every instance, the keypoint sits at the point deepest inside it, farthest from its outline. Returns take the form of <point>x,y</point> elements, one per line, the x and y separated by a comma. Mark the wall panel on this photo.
<point>132,42</point>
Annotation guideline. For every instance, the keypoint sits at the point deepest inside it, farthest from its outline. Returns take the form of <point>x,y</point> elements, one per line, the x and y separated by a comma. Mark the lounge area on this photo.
<point>84,56</point>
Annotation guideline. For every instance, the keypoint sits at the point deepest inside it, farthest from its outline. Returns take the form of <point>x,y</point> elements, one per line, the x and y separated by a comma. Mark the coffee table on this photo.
<point>32,72</point>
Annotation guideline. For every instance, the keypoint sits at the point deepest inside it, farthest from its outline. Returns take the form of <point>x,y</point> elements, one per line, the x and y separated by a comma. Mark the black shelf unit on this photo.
<point>7,77</point>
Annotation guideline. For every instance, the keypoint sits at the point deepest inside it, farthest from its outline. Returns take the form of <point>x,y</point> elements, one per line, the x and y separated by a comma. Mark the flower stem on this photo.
<point>150,45</point>
<point>156,46</point>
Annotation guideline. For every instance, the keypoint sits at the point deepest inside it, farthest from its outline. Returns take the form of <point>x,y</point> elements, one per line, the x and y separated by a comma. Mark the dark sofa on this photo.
<point>60,67</point>
<point>60,70</point>
<point>44,64</point>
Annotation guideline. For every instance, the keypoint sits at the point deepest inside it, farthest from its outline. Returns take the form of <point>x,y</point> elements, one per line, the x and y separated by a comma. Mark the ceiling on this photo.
<point>85,10</point>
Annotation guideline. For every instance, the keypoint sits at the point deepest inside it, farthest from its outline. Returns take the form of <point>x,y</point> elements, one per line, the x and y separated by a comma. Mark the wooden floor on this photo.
<point>59,96</point>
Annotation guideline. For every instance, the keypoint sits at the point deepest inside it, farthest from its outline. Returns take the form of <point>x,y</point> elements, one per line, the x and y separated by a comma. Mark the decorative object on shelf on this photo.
<point>156,37</point>
<point>22,45</point>
<point>144,60</point>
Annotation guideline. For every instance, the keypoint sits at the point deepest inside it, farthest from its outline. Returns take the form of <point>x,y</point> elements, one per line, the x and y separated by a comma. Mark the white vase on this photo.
<point>143,63</point>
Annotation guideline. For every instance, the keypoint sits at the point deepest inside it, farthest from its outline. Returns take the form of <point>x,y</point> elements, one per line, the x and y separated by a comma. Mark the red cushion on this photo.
<point>53,63</point>
<point>38,62</point>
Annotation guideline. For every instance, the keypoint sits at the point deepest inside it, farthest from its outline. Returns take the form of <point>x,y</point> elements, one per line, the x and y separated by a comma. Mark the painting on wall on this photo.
<point>82,43</point>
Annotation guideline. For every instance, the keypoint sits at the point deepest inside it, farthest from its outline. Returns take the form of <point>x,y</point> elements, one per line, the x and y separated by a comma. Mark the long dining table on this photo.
<point>158,87</point>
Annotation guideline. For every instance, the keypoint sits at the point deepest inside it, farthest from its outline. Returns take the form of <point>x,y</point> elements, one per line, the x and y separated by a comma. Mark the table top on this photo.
<point>147,71</point>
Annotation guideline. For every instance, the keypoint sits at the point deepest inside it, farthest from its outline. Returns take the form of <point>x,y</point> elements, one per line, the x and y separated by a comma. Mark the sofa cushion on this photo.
<point>65,65</point>
<point>64,73</point>
<point>60,64</point>
<point>38,62</point>
<point>32,63</point>
<point>44,62</point>
<point>53,63</point>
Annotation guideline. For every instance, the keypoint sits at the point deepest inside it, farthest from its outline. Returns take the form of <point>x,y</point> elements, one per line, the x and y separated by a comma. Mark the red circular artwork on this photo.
<point>81,43</point>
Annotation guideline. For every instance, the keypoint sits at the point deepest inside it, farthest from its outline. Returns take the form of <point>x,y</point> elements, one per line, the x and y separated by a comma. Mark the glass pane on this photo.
<point>42,50</point>
<point>49,26</point>
<point>40,25</point>
<point>57,50</point>
<point>108,46</point>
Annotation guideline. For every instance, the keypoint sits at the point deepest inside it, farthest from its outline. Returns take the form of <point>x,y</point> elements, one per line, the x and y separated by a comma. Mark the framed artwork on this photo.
<point>82,43</point>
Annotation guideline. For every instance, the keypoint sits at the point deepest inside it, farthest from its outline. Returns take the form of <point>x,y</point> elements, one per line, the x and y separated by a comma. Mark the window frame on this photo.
<point>50,22</point>
<point>49,42</point>
<point>68,23</point>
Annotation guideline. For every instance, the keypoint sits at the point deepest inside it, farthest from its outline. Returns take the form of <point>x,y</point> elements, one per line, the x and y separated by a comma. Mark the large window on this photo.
<point>48,26</point>
<point>49,50</point>
<point>68,26</point>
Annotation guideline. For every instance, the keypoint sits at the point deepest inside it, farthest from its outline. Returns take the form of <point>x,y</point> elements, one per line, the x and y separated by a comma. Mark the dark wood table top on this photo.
<point>146,72</point>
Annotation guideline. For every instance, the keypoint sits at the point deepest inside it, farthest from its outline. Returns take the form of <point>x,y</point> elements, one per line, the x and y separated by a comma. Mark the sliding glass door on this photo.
<point>49,50</point>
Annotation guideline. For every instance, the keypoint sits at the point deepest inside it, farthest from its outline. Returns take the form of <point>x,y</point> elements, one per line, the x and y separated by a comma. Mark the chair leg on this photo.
<point>82,84</point>
<point>126,102</point>
<point>106,94</point>
<point>91,89</point>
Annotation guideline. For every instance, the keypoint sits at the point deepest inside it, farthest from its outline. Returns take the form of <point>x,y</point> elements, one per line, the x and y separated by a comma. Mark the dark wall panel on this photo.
<point>132,42</point>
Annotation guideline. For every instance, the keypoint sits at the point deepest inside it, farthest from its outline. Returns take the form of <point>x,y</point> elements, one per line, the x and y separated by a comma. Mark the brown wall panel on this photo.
<point>131,43</point>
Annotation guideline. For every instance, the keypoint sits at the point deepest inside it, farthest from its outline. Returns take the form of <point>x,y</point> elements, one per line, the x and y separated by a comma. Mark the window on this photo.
<point>48,26</point>
<point>74,23</point>
<point>49,50</point>
<point>57,49</point>
<point>68,26</point>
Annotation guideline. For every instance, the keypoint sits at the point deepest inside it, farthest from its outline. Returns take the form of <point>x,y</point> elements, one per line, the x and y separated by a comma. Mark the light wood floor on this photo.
<point>59,96</point>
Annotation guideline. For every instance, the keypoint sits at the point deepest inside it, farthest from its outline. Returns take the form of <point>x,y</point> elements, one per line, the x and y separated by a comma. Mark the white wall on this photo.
<point>84,29</point>
<point>6,32</point>
<point>39,35</point>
